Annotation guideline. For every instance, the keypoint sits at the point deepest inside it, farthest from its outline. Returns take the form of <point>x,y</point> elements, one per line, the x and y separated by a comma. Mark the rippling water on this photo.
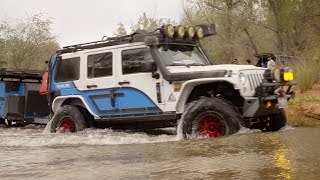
<point>28,153</point>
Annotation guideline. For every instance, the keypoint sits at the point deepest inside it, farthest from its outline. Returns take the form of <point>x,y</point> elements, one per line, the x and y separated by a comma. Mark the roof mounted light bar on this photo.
<point>190,33</point>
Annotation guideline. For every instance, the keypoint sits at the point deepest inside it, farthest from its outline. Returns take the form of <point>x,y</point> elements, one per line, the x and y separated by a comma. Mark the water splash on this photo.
<point>287,128</point>
<point>47,128</point>
<point>40,136</point>
<point>244,130</point>
<point>32,136</point>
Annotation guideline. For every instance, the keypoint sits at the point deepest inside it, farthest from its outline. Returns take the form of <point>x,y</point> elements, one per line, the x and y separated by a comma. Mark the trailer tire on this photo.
<point>210,117</point>
<point>67,119</point>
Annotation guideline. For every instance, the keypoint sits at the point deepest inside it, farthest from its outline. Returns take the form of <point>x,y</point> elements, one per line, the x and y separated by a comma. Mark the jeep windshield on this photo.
<point>182,55</point>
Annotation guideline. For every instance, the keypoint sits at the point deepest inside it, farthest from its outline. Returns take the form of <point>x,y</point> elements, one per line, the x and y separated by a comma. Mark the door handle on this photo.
<point>92,86</point>
<point>124,82</point>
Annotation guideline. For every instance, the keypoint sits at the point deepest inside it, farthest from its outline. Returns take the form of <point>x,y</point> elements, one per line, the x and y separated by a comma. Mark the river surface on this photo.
<point>28,153</point>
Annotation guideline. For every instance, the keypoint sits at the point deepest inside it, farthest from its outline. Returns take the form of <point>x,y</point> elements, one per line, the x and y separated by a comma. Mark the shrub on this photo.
<point>307,73</point>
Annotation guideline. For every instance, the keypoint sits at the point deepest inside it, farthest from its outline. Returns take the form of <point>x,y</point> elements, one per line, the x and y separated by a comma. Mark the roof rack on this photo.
<point>21,73</point>
<point>138,36</point>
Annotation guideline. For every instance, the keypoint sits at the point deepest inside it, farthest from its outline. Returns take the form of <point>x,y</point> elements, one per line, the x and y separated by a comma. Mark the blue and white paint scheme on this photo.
<point>108,97</point>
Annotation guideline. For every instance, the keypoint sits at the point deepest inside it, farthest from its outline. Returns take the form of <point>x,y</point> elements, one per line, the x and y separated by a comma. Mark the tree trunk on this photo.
<point>230,53</point>
<point>253,45</point>
<point>275,10</point>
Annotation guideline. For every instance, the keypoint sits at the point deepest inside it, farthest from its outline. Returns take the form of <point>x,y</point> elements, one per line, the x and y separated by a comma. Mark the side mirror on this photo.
<point>149,66</point>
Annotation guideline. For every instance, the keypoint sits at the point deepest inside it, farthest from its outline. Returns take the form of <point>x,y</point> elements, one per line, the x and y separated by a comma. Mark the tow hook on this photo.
<point>280,92</point>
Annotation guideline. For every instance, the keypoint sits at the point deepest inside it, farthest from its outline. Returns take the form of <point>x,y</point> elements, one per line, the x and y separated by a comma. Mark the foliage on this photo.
<point>121,30</point>
<point>144,22</point>
<point>307,73</point>
<point>247,27</point>
<point>27,43</point>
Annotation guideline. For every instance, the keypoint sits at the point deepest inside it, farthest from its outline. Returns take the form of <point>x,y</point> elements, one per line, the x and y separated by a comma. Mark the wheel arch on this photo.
<point>191,86</point>
<point>71,100</point>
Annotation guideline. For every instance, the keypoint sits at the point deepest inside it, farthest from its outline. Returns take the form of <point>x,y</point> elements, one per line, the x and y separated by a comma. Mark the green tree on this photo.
<point>27,43</point>
<point>121,30</point>
<point>2,52</point>
<point>144,22</point>
<point>231,17</point>
<point>247,27</point>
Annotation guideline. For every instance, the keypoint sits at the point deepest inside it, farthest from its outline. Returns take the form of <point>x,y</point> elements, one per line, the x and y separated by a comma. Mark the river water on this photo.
<point>28,153</point>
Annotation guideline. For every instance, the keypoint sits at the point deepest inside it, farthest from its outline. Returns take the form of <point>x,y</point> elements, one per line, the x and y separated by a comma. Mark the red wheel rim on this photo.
<point>211,126</point>
<point>67,126</point>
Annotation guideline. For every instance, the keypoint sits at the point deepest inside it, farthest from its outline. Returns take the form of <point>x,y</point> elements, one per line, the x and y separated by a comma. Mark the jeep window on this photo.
<point>100,65</point>
<point>133,59</point>
<point>182,55</point>
<point>67,69</point>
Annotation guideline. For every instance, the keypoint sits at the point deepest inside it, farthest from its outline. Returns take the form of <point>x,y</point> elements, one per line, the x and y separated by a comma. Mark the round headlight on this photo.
<point>242,78</point>
<point>179,31</point>
<point>199,32</point>
<point>191,31</point>
<point>169,30</point>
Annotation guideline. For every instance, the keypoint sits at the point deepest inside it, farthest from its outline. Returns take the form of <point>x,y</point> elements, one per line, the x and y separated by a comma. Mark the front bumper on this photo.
<point>257,106</point>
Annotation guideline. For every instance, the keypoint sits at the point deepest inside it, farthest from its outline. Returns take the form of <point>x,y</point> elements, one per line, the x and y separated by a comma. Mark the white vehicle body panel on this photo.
<point>171,100</point>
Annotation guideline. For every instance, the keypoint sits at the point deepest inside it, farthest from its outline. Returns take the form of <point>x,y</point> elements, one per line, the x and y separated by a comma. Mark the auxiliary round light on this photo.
<point>199,32</point>
<point>169,30</point>
<point>277,75</point>
<point>269,104</point>
<point>180,31</point>
<point>191,31</point>
<point>269,75</point>
<point>288,74</point>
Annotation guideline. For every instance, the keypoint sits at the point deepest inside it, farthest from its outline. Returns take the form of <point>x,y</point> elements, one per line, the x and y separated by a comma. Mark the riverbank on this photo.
<point>304,110</point>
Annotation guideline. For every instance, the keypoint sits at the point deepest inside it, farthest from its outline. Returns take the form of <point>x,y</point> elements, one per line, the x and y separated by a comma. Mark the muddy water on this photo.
<point>28,153</point>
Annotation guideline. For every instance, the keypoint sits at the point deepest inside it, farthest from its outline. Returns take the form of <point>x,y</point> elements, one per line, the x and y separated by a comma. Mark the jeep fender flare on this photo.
<point>58,101</point>
<point>188,86</point>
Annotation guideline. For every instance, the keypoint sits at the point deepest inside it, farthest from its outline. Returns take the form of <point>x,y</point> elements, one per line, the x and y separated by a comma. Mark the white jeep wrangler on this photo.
<point>157,79</point>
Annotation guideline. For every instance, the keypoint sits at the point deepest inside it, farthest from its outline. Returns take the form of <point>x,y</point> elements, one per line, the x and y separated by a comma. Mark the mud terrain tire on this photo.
<point>277,121</point>
<point>67,119</point>
<point>206,113</point>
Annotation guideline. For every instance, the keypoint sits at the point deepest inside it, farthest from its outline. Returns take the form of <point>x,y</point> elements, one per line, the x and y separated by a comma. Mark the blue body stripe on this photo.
<point>126,101</point>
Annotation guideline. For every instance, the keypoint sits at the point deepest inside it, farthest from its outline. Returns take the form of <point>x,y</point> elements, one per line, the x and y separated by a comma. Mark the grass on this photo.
<point>304,110</point>
<point>303,121</point>
<point>307,73</point>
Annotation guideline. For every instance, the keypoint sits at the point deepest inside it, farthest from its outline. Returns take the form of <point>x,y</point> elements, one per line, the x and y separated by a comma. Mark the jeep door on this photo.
<point>137,91</point>
<point>98,80</point>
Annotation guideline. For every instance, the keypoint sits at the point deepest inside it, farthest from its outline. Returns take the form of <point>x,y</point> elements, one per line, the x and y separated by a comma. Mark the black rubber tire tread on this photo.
<point>68,111</point>
<point>228,114</point>
<point>16,125</point>
<point>277,121</point>
<point>87,116</point>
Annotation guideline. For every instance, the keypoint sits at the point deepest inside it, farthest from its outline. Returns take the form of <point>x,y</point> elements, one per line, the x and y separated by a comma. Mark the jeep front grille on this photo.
<point>255,79</point>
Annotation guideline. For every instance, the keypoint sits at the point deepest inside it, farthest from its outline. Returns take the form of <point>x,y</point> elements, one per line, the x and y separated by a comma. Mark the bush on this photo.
<point>307,73</point>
